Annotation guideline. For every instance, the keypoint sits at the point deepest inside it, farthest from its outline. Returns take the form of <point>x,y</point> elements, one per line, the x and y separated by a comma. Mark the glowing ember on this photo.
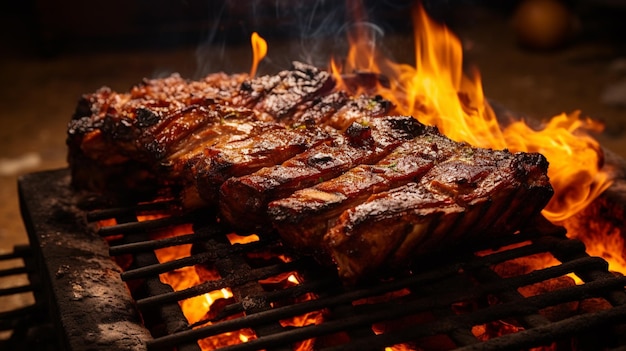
<point>235,238</point>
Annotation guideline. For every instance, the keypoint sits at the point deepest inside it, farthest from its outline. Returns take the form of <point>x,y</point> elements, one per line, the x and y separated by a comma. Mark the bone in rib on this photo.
<point>334,174</point>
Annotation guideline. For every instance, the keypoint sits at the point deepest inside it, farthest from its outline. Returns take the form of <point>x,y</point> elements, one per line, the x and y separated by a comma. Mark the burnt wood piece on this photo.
<point>364,142</point>
<point>476,194</point>
<point>310,212</point>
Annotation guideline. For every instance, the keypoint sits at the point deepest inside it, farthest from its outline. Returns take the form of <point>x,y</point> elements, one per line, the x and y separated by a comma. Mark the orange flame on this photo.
<point>259,50</point>
<point>437,92</point>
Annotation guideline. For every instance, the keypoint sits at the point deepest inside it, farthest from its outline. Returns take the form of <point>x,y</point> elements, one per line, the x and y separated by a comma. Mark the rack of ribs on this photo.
<point>337,175</point>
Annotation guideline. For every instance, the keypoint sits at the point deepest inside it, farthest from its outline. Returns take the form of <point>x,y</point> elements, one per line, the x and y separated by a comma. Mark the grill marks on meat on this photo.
<point>163,125</point>
<point>334,174</point>
<point>236,158</point>
<point>472,195</point>
<point>364,142</point>
<point>319,110</point>
<point>294,87</point>
<point>311,212</point>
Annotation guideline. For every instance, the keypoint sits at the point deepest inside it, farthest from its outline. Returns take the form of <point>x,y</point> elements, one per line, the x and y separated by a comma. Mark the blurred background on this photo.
<point>537,58</point>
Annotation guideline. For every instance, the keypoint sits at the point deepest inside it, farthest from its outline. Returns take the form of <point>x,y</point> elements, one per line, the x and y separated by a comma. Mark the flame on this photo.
<point>600,227</point>
<point>197,308</point>
<point>259,50</point>
<point>437,92</point>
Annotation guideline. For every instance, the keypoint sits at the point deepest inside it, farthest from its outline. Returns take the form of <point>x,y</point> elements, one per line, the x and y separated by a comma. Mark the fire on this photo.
<point>602,237</point>
<point>259,50</point>
<point>437,92</point>
<point>198,310</point>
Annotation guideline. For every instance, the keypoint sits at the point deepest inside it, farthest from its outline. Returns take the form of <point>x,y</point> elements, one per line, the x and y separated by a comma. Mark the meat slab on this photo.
<point>474,194</point>
<point>337,175</point>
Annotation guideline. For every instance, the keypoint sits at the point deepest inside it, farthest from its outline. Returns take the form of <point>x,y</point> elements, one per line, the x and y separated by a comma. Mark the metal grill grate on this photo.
<point>444,298</point>
<point>429,307</point>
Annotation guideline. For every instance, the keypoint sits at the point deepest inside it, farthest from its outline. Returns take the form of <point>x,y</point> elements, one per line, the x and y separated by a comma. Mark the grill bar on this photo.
<point>214,285</point>
<point>143,226</point>
<point>521,340</point>
<point>107,213</point>
<point>316,287</point>
<point>555,331</point>
<point>151,245</point>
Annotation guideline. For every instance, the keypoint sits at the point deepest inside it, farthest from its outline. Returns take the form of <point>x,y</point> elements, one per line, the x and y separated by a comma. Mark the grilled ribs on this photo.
<point>334,174</point>
<point>474,194</point>
<point>312,211</point>
<point>364,142</point>
<point>171,133</point>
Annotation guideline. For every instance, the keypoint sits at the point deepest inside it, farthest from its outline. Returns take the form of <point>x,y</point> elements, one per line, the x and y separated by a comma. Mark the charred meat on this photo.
<point>471,195</point>
<point>175,133</point>
<point>312,211</point>
<point>364,142</point>
<point>334,174</point>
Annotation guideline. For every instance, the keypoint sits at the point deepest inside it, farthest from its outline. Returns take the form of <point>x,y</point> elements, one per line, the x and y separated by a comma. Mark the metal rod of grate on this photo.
<point>26,325</point>
<point>175,320</point>
<point>443,280</point>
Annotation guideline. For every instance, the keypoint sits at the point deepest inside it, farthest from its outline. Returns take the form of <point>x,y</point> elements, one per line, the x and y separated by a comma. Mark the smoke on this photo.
<point>311,31</point>
<point>211,51</point>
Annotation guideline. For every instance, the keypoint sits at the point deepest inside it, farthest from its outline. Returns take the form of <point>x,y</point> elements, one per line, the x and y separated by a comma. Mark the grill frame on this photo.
<point>65,214</point>
<point>72,259</point>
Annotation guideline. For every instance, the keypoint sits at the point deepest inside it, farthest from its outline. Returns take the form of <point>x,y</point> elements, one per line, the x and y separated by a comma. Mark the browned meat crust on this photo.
<point>112,131</point>
<point>472,195</point>
<point>296,86</point>
<point>364,142</point>
<point>310,212</point>
<point>220,162</point>
<point>171,122</point>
